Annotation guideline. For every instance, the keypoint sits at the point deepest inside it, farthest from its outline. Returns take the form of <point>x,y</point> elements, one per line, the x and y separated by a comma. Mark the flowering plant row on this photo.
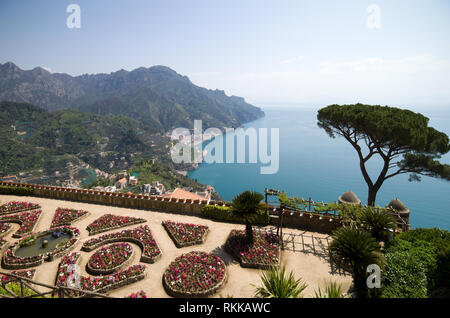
<point>24,273</point>
<point>12,261</point>
<point>109,258</point>
<point>27,221</point>
<point>110,222</point>
<point>139,294</point>
<point>186,234</point>
<point>4,227</point>
<point>16,206</point>
<point>2,242</point>
<point>195,274</point>
<point>67,216</point>
<point>140,235</point>
<point>264,253</point>
<point>68,275</point>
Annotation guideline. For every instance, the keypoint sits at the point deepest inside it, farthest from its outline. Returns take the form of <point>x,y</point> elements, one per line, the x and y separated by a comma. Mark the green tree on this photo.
<point>401,138</point>
<point>355,249</point>
<point>246,206</point>
<point>276,283</point>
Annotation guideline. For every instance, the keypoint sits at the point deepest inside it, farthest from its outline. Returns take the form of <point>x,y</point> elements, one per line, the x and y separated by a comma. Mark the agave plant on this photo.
<point>276,283</point>
<point>246,206</point>
<point>355,249</point>
<point>378,222</point>
<point>331,290</point>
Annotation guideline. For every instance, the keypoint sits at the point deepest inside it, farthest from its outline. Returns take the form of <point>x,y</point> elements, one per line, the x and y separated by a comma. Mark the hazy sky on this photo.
<point>270,52</point>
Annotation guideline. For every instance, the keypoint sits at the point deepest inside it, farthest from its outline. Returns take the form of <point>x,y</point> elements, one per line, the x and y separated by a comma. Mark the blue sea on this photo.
<point>311,164</point>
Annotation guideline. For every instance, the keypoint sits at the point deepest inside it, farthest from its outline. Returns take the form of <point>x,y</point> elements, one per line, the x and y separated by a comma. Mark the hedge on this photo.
<point>223,213</point>
<point>16,190</point>
<point>430,248</point>
<point>404,276</point>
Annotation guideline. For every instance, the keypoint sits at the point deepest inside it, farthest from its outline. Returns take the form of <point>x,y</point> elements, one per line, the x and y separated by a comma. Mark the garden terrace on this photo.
<point>12,261</point>
<point>100,284</point>
<point>186,234</point>
<point>16,206</point>
<point>141,235</point>
<point>110,258</point>
<point>26,220</point>
<point>67,216</point>
<point>195,274</point>
<point>111,222</point>
<point>263,254</point>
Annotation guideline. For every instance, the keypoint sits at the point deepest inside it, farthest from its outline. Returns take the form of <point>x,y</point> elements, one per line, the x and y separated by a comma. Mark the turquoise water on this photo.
<point>311,164</point>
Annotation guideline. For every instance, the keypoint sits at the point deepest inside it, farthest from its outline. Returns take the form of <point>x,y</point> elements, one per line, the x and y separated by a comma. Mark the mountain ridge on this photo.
<point>156,95</point>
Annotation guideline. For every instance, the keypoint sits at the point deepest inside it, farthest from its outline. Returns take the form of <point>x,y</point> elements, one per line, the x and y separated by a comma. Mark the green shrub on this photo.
<point>439,275</point>
<point>223,213</point>
<point>16,190</point>
<point>404,276</point>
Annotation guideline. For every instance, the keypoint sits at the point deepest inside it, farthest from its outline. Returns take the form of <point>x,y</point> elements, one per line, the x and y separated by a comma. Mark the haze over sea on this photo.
<point>311,164</point>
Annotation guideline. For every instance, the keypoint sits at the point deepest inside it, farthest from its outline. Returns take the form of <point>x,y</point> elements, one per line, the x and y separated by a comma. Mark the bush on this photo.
<point>16,190</point>
<point>436,259</point>
<point>223,213</point>
<point>404,276</point>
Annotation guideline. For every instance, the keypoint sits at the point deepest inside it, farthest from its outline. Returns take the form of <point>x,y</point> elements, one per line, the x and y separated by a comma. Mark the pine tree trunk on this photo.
<point>372,196</point>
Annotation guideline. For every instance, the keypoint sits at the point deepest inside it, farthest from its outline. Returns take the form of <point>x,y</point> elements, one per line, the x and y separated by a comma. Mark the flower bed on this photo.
<point>27,221</point>
<point>263,254</point>
<point>11,261</point>
<point>26,274</point>
<point>185,234</point>
<point>67,270</point>
<point>195,274</point>
<point>4,227</point>
<point>139,294</point>
<point>140,235</point>
<point>110,222</point>
<point>16,206</point>
<point>110,258</point>
<point>67,216</point>
<point>2,242</point>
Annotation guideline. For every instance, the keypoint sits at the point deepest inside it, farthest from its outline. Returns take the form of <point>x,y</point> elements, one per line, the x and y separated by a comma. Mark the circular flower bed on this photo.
<point>195,274</point>
<point>141,235</point>
<point>263,254</point>
<point>185,234</point>
<point>110,258</point>
<point>23,273</point>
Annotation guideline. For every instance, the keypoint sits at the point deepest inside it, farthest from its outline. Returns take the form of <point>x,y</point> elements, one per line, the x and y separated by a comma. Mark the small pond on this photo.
<point>36,248</point>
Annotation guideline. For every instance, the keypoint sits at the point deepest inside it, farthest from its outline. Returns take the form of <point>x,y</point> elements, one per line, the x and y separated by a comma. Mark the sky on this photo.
<point>276,52</point>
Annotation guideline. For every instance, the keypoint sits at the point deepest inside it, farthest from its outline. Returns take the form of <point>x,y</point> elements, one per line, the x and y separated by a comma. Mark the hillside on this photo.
<point>157,96</point>
<point>51,147</point>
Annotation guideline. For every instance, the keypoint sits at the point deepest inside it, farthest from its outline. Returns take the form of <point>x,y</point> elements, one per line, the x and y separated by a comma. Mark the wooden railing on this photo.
<point>54,291</point>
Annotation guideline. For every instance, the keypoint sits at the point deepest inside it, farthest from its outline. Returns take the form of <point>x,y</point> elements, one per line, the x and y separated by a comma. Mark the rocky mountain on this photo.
<point>158,96</point>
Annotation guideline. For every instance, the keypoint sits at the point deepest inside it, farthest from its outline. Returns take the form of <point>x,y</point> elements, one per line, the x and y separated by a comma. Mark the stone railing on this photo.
<point>315,223</point>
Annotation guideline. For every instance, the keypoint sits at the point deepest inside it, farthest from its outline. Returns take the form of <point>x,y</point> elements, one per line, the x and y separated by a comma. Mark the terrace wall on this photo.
<point>315,223</point>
